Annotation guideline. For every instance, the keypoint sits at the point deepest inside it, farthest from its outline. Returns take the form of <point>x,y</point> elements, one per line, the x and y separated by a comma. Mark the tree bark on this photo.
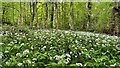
<point>32,11</point>
<point>71,17</point>
<point>89,14</point>
<point>25,13</point>
<point>36,14</point>
<point>20,13</point>
<point>46,15</point>
<point>52,14</point>
<point>56,8</point>
<point>116,19</point>
<point>13,11</point>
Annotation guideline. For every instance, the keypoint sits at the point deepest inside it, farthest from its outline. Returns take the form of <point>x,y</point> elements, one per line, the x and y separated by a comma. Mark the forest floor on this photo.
<point>38,47</point>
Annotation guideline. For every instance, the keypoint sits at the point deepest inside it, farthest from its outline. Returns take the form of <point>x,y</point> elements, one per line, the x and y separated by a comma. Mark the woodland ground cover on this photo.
<point>59,48</point>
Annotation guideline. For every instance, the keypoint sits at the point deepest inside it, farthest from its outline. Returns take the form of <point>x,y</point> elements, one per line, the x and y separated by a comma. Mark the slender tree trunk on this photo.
<point>13,11</point>
<point>3,18</point>
<point>46,15</point>
<point>89,14</point>
<point>71,17</point>
<point>34,8</point>
<point>32,11</point>
<point>52,14</point>
<point>63,15</point>
<point>20,13</point>
<point>25,13</point>
<point>36,14</point>
<point>56,10</point>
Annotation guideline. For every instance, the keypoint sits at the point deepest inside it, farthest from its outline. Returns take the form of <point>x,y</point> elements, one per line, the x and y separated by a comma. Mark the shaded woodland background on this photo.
<point>100,17</point>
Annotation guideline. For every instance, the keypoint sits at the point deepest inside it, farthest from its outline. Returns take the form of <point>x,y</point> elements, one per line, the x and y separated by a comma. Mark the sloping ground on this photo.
<point>59,48</point>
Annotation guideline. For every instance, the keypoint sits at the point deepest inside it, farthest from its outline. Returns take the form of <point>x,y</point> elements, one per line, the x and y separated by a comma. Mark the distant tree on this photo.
<point>71,16</point>
<point>46,15</point>
<point>52,15</point>
<point>56,13</point>
<point>89,14</point>
<point>116,19</point>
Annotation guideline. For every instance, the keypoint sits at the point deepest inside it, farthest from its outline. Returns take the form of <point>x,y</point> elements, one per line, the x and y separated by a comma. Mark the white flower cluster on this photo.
<point>61,59</point>
<point>19,64</point>
<point>18,54</point>
<point>79,64</point>
<point>25,51</point>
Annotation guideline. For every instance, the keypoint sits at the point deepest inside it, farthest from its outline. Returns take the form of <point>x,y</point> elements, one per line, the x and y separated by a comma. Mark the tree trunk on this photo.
<point>24,12</point>
<point>52,14</point>
<point>20,13</point>
<point>46,15</point>
<point>32,11</point>
<point>56,8</point>
<point>89,14</point>
<point>116,19</point>
<point>36,15</point>
<point>63,15</point>
<point>13,11</point>
<point>71,17</point>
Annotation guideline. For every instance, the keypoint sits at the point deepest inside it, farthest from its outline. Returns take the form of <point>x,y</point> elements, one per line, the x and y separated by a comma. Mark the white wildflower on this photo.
<point>6,51</point>
<point>1,34</point>
<point>92,48</point>
<point>19,64</point>
<point>33,65</point>
<point>104,41</point>
<point>66,31</point>
<point>104,63</point>
<point>76,48</point>
<point>66,61</point>
<point>15,33</point>
<point>6,62</point>
<point>107,51</point>
<point>15,41</point>
<point>113,65</point>
<point>50,58</point>
<point>18,54</point>
<point>29,39</point>
<point>34,59</point>
<point>31,47</point>
<point>44,47</point>
<point>1,43</point>
<point>26,51</point>
<point>70,52</point>
<point>76,41</point>
<point>57,57</point>
<point>74,35</point>
<point>76,56</point>
<point>68,55</point>
<point>22,44</point>
<point>9,44</point>
<point>21,33</point>
<point>96,44</point>
<point>79,64</point>
<point>83,47</point>
<point>90,41</point>
<point>103,45</point>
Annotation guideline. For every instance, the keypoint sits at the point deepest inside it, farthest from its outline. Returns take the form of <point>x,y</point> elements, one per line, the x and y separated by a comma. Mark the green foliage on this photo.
<point>100,15</point>
<point>59,48</point>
